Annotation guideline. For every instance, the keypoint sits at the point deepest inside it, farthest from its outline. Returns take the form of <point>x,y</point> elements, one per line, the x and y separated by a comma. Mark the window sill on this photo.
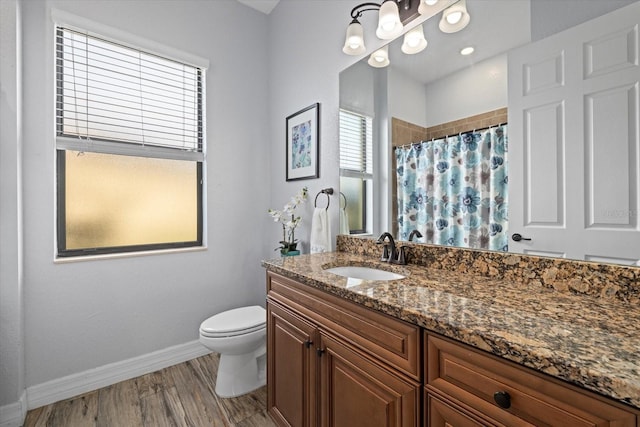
<point>67,260</point>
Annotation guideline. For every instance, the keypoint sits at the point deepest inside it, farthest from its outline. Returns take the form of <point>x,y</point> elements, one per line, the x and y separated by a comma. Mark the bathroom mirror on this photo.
<point>462,87</point>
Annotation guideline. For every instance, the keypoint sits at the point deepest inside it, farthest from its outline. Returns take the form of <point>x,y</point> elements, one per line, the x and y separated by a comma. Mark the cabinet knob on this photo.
<point>503,399</point>
<point>308,343</point>
<point>319,351</point>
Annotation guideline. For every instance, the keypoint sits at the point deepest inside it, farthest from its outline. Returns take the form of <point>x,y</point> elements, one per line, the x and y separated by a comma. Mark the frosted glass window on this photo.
<point>354,190</point>
<point>114,200</point>
<point>130,148</point>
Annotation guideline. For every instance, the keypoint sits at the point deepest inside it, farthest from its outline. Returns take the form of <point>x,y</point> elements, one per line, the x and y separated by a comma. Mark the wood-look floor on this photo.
<point>181,395</point>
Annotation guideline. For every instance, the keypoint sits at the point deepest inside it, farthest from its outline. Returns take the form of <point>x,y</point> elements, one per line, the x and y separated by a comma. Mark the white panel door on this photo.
<point>574,183</point>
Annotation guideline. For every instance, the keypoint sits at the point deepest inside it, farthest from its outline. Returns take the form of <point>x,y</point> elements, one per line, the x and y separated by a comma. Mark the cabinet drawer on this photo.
<point>388,339</point>
<point>471,377</point>
<point>442,414</point>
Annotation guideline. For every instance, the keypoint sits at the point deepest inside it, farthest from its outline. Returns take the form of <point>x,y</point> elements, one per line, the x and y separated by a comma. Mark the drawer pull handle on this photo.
<point>503,399</point>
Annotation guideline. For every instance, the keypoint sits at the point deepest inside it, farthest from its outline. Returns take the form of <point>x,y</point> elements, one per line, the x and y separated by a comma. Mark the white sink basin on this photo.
<point>364,273</point>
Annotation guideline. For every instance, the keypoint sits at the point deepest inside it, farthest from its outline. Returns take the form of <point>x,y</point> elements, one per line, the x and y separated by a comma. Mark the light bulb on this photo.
<point>454,18</point>
<point>413,41</point>
<point>430,2</point>
<point>388,26</point>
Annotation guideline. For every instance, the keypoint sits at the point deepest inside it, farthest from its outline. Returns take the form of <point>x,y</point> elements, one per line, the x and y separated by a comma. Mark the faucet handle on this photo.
<point>401,259</point>
<point>385,253</point>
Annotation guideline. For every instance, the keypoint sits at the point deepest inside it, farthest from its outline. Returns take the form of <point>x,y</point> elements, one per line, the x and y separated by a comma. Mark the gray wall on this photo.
<point>12,388</point>
<point>82,315</point>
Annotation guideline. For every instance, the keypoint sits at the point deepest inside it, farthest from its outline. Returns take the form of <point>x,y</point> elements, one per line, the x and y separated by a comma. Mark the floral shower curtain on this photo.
<point>454,190</point>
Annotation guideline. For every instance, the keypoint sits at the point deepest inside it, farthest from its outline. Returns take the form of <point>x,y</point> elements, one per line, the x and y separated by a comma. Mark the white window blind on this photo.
<point>356,145</point>
<point>110,92</point>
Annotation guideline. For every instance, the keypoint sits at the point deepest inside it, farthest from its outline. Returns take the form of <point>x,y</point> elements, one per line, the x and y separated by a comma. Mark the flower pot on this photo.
<point>289,253</point>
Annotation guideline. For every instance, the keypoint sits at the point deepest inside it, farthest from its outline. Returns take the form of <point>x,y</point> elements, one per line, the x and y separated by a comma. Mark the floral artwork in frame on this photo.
<point>303,143</point>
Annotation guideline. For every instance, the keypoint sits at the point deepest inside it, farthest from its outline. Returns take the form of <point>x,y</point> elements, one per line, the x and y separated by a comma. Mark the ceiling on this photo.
<point>496,26</point>
<point>264,6</point>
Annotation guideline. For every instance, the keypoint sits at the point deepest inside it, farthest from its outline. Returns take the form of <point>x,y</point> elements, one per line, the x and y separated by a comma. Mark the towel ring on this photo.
<point>328,192</point>
<point>345,200</point>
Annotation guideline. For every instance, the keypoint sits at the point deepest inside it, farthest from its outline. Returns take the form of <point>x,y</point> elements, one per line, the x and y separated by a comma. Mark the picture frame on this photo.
<point>303,143</point>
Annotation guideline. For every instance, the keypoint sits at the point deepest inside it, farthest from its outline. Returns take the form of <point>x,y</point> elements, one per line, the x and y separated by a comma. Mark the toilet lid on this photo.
<point>237,321</point>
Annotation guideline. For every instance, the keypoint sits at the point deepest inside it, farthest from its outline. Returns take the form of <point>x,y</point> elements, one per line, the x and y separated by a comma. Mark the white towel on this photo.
<point>320,240</point>
<point>344,221</point>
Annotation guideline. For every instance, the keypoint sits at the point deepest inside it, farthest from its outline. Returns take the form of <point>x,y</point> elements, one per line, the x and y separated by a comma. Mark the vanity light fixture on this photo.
<point>414,41</point>
<point>392,16</point>
<point>455,18</point>
<point>379,58</point>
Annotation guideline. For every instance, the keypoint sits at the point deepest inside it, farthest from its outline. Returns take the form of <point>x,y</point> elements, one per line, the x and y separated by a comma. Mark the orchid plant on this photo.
<point>289,221</point>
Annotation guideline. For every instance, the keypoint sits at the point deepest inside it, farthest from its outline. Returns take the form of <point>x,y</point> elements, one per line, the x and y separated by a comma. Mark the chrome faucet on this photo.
<point>415,233</point>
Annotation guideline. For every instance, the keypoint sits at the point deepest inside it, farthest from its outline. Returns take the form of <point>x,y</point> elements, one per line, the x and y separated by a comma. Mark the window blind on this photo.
<point>110,92</point>
<point>356,144</point>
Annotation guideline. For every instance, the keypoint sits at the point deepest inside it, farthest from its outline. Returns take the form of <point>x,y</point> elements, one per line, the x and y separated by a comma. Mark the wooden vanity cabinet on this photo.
<point>333,363</point>
<point>467,387</point>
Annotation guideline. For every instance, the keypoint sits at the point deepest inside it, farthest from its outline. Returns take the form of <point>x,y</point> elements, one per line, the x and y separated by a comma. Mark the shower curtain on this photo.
<point>454,190</point>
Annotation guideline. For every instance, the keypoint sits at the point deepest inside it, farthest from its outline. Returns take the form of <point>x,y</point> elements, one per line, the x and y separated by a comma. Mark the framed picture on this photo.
<point>303,143</point>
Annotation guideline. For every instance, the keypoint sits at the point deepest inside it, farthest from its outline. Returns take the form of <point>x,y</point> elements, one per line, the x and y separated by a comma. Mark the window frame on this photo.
<point>64,143</point>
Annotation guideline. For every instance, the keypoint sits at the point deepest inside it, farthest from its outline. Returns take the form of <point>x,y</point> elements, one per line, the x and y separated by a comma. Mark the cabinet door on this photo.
<point>291,368</point>
<point>356,391</point>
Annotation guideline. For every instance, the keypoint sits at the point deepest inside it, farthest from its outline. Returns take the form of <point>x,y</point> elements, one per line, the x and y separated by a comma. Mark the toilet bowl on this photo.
<point>239,335</point>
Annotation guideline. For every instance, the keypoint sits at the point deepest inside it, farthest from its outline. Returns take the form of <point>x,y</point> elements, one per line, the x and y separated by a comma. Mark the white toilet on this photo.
<point>239,335</point>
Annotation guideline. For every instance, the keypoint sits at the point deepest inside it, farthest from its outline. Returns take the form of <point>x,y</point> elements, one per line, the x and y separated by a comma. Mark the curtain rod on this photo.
<point>446,136</point>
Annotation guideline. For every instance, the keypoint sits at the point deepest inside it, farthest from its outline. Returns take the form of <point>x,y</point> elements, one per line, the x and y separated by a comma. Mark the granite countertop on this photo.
<point>591,342</point>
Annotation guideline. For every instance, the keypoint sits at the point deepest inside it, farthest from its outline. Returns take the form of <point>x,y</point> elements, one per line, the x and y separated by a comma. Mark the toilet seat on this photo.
<point>239,321</point>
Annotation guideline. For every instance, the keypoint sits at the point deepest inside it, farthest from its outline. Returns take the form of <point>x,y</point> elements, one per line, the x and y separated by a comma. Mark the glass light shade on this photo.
<point>427,7</point>
<point>455,18</point>
<point>354,41</point>
<point>379,58</point>
<point>389,25</point>
<point>414,41</point>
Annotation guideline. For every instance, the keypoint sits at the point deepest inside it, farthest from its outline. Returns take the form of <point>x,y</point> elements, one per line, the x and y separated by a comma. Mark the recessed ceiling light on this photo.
<point>467,50</point>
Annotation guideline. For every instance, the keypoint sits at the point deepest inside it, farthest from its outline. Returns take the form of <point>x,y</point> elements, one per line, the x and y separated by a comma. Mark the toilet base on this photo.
<point>241,374</point>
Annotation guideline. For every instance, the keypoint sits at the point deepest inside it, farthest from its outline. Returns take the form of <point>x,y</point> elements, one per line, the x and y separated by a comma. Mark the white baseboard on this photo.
<point>13,415</point>
<point>83,382</point>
